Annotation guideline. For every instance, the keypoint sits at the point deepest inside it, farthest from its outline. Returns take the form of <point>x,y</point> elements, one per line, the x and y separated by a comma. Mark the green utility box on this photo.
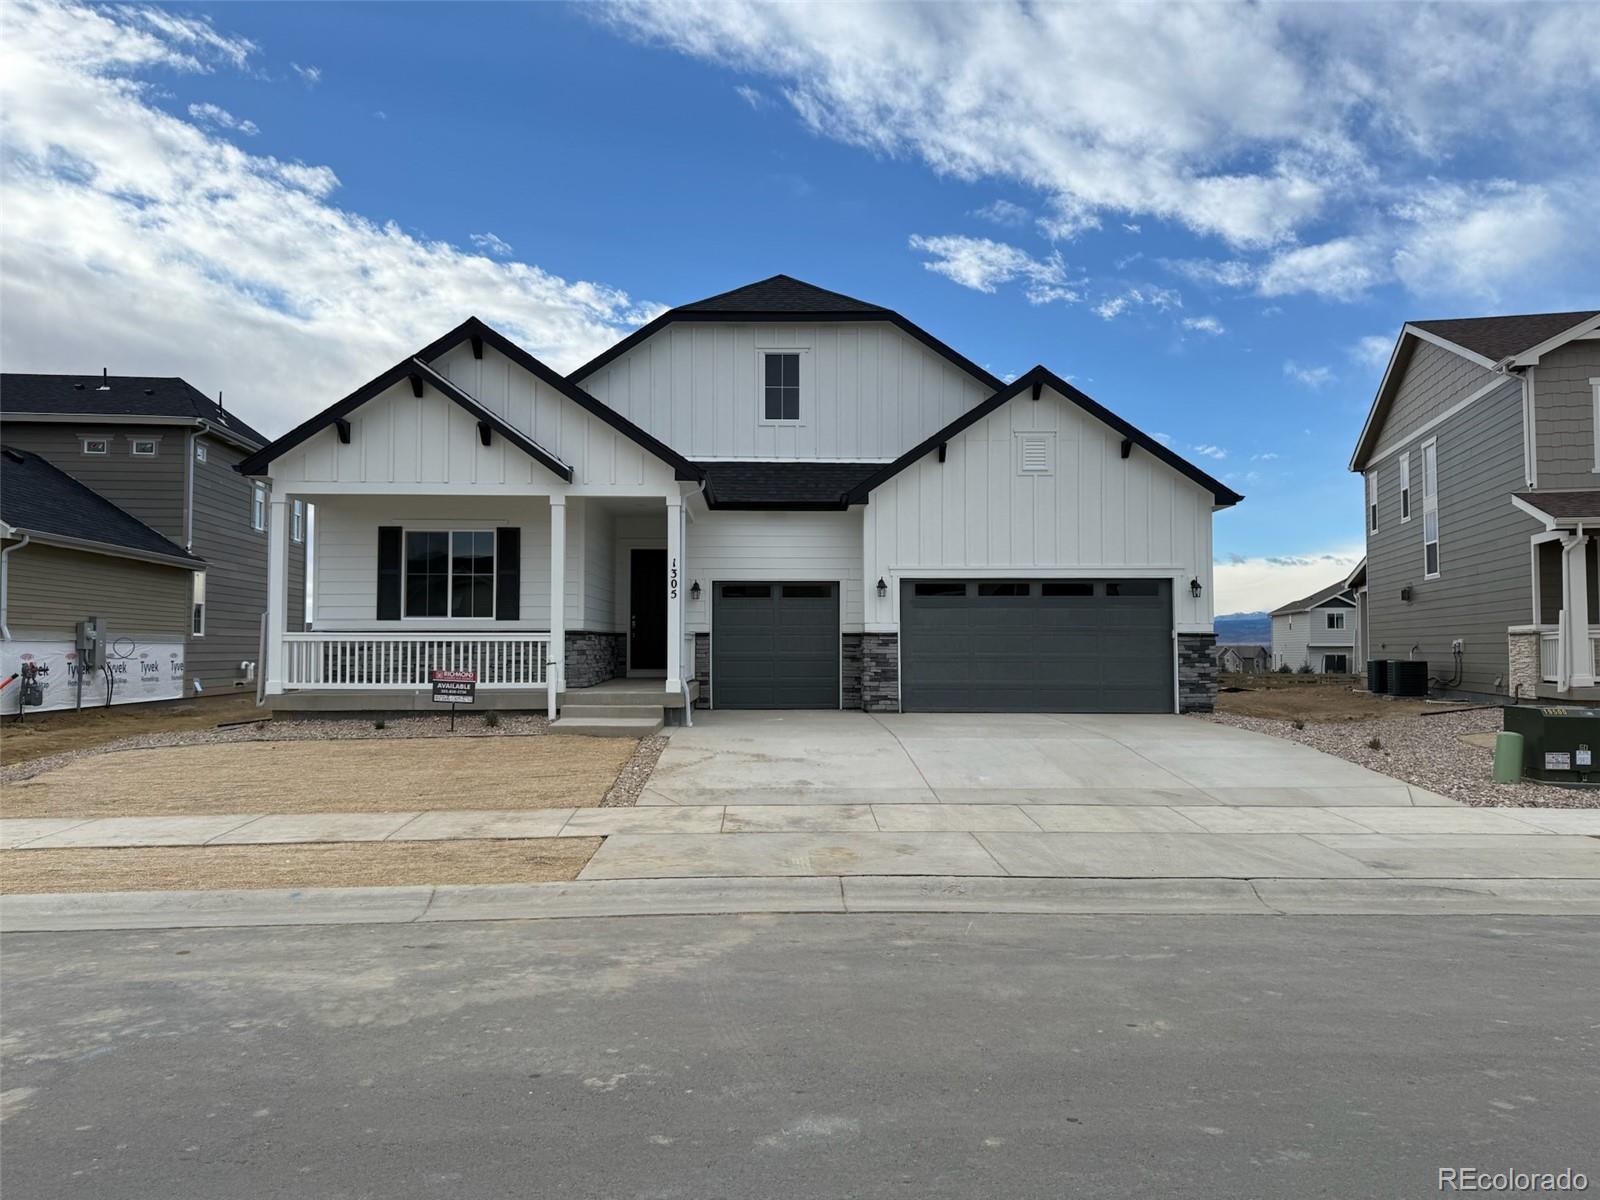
<point>1560,744</point>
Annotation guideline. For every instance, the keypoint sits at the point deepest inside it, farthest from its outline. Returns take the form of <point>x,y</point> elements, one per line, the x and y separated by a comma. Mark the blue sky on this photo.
<point>1214,220</point>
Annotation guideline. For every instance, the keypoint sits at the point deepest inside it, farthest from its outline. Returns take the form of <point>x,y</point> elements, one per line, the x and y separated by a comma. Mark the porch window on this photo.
<point>781,386</point>
<point>1405,487</point>
<point>450,574</point>
<point>1430,509</point>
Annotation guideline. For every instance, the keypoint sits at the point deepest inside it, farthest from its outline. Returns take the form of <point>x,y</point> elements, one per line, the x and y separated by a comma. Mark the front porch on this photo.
<point>1555,655</point>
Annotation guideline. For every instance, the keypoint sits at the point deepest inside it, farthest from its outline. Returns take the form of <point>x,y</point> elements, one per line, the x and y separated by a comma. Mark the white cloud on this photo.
<point>751,96</point>
<point>1373,350</point>
<point>1131,227</point>
<point>492,245</point>
<point>141,241</point>
<point>1164,438</point>
<point>310,76</point>
<point>1228,273</point>
<point>1267,457</point>
<point>1003,212</point>
<point>983,264</point>
<point>1263,582</point>
<point>1158,298</point>
<point>1289,131</point>
<point>1204,325</point>
<point>220,118</point>
<point>1311,376</point>
<point>1210,451</point>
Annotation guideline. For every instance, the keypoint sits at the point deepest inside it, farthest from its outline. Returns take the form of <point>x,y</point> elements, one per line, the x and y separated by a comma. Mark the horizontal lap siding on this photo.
<point>729,547</point>
<point>1434,380</point>
<point>151,489</point>
<point>870,391</point>
<point>1097,509</point>
<point>1484,582</point>
<point>1289,641</point>
<point>1564,415</point>
<point>50,590</point>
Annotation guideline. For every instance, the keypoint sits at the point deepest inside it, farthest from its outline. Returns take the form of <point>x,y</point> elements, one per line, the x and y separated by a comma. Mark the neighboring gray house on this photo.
<point>1480,462</point>
<point>1318,631</point>
<point>1244,659</point>
<point>167,455</point>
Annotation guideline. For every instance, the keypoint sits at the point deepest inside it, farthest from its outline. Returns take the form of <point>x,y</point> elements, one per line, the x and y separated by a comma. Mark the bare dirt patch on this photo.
<point>1444,753</point>
<point>555,771</point>
<point>323,864</point>
<point>38,734</point>
<point>1310,698</point>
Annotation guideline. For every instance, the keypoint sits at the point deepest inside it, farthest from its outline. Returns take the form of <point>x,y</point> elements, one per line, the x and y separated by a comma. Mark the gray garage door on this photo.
<point>1009,645</point>
<point>775,645</point>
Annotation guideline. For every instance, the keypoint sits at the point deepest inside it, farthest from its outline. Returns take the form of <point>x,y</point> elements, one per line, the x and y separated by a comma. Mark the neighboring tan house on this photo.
<point>1318,631</point>
<point>67,553</point>
<point>1480,458</point>
<point>167,455</point>
<point>778,497</point>
<point>1244,659</point>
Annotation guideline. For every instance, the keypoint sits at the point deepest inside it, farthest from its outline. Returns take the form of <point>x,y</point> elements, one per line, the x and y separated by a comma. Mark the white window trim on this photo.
<point>761,385</point>
<point>1431,504</point>
<point>1372,501</point>
<point>298,532</point>
<point>1405,487</point>
<point>135,442</point>
<point>1594,424</point>
<point>197,606</point>
<point>199,453</point>
<point>450,572</point>
<point>103,442</point>
<point>1331,617</point>
<point>258,507</point>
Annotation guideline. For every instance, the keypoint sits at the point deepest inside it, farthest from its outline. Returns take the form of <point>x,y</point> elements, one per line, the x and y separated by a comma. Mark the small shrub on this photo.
<point>1299,724</point>
<point>380,723</point>
<point>1285,669</point>
<point>492,720</point>
<point>1305,668</point>
<point>1374,743</point>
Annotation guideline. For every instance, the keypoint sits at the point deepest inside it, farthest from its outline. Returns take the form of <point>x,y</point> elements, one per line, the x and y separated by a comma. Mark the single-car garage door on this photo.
<point>1009,645</point>
<point>775,645</point>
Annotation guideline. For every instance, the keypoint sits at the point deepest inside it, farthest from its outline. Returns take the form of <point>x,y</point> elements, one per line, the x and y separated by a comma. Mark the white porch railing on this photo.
<point>351,661</point>
<point>1550,652</point>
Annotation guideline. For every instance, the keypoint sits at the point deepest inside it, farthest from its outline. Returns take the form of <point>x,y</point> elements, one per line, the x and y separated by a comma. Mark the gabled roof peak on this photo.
<point>780,294</point>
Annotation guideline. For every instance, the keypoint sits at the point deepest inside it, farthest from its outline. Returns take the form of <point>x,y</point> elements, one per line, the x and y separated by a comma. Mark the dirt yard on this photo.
<point>324,864</point>
<point>315,776</point>
<point>1315,699</point>
<point>39,734</point>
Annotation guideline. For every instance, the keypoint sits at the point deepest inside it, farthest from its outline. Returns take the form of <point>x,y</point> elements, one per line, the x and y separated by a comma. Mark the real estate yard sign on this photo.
<point>453,688</point>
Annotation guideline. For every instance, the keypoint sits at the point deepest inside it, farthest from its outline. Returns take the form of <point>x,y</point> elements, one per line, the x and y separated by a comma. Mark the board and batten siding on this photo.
<point>1095,512</point>
<point>1434,379</point>
<point>1564,415</point>
<point>346,559</point>
<point>868,391</point>
<point>50,589</point>
<point>1484,582</point>
<point>397,438</point>
<point>725,546</point>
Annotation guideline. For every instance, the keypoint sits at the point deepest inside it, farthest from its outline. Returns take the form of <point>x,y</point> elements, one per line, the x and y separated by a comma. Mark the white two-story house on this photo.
<point>778,497</point>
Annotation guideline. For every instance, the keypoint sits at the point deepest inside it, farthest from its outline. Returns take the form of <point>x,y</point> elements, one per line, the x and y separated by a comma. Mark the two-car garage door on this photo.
<point>1009,645</point>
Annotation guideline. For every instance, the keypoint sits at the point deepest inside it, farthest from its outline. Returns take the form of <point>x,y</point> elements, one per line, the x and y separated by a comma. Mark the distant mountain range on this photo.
<point>1251,629</point>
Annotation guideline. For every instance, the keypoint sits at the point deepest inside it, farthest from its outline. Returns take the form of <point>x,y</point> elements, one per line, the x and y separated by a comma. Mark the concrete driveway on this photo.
<point>750,758</point>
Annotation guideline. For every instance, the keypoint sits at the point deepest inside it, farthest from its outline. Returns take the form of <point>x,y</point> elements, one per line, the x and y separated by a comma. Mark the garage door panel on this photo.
<point>775,645</point>
<point>1042,645</point>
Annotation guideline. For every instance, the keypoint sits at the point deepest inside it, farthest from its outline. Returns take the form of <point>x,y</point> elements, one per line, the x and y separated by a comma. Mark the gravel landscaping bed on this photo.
<point>635,774</point>
<point>296,730</point>
<point>1427,751</point>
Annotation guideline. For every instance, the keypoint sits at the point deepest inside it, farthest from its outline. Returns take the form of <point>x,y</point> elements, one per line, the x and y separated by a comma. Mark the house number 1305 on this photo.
<point>672,580</point>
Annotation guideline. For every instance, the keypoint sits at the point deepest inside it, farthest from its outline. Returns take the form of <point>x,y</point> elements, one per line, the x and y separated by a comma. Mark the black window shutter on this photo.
<point>507,573</point>
<point>391,572</point>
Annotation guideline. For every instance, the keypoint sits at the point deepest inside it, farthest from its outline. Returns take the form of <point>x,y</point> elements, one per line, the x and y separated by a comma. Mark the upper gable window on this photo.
<point>97,445</point>
<point>144,447</point>
<point>780,385</point>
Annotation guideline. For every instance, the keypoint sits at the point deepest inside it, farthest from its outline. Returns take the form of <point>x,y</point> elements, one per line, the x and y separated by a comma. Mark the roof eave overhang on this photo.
<point>41,537</point>
<point>1531,356</point>
<point>110,419</point>
<point>1552,523</point>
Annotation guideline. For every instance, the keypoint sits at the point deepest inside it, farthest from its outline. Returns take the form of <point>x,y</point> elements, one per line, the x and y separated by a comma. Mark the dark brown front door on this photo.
<point>647,622</point>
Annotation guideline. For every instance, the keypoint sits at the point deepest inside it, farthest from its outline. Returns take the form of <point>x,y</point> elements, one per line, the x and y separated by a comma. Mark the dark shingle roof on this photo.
<point>41,499</point>
<point>1563,505</point>
<point>118,396</point>
<point>782,485</point>
<point>780,294</point>
<point>1243,649</point>
<point>1501,337</point>
<point>1311,601</point>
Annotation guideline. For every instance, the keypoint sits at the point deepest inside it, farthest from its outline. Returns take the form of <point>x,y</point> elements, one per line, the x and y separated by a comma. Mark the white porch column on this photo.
<point>674,595</point>
<point>1579,658</point>
<point>556,669</point>
<point>277,590</point>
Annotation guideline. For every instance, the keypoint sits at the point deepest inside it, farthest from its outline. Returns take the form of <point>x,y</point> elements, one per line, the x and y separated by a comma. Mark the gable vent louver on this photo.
<point>1035,453</point>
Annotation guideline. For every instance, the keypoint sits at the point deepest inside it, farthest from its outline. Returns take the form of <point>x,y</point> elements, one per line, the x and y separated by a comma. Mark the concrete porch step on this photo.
<point>585,710</point>
<point>633,692</point>
<point>609,726</point>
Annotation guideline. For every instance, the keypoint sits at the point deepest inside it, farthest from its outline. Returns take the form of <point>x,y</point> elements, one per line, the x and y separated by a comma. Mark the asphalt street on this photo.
<point>800,1056</point>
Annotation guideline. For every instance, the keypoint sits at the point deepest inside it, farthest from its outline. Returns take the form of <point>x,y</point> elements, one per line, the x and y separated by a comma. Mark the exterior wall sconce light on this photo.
<point>1194,588</point>
<point>694,590</point>
<point>883,588</point>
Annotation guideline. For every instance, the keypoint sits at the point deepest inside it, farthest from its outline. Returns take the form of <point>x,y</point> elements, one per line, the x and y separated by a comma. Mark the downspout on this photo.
<point>5,585</point>
<point>683,540</point>
<point>188,492</point>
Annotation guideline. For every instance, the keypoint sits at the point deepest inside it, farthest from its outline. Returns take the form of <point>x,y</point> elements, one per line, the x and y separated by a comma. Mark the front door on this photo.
<point>647,620</point>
